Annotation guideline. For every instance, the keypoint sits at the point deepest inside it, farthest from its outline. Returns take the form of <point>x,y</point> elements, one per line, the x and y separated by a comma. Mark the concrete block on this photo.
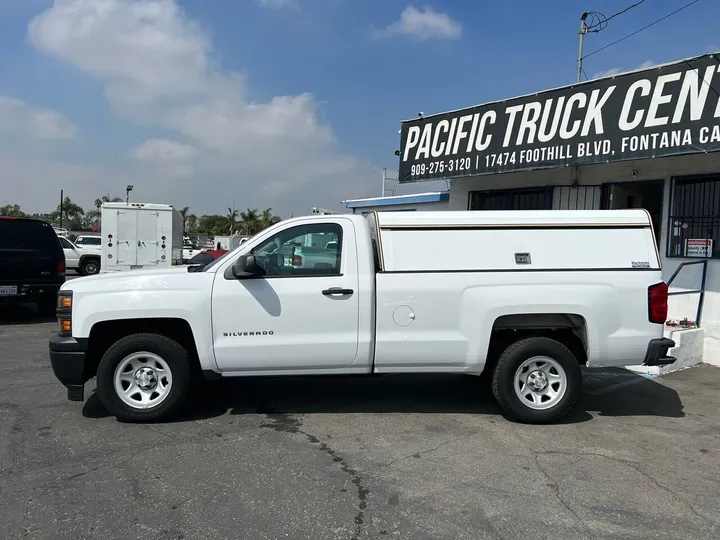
<point>689,350</point>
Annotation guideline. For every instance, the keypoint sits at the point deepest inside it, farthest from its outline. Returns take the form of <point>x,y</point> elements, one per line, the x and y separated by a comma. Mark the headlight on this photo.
<point>64,313</point>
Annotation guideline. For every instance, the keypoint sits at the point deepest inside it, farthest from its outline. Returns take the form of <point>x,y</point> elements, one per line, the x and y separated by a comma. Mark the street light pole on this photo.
<point>583,31</point>
<point>61,208</point>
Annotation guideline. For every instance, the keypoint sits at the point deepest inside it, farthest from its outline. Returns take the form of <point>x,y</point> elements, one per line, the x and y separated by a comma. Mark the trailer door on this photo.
<point>147,238</point>
<point>127,237</point>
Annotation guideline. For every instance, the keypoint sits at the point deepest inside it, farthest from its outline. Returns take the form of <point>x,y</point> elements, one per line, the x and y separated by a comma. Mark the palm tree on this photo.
<point>104,199</point>
<point>250,221</point>
<point>267,218</point>
<point>232,219</point>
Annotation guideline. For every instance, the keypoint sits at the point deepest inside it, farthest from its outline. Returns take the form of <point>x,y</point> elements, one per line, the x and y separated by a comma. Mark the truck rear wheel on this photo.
<point>144,377</point>
<point>537,380</point>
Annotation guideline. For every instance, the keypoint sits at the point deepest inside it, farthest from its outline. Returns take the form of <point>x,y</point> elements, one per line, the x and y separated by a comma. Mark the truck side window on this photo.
<point>306,250</point>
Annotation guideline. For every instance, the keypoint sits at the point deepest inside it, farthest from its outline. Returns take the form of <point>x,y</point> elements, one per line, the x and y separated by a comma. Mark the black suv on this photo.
<point>32,263</point>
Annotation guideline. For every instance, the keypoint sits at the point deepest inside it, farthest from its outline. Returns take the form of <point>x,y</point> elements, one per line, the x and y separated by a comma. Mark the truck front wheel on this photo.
<point>144,377</point>
<point>537,380</point>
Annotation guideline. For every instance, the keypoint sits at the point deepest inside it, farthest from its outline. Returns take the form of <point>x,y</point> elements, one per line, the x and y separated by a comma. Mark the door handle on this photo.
<point>337,290</point>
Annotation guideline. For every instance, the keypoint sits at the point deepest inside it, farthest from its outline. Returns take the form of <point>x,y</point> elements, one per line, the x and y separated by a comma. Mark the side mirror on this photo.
<point>244,267</point>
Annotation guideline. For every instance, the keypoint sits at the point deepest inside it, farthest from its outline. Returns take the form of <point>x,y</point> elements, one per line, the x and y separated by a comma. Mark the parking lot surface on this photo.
<point>416,457</point>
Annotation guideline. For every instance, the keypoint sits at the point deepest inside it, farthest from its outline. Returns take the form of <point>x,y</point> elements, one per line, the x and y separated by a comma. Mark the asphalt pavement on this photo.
<point>405,457</point>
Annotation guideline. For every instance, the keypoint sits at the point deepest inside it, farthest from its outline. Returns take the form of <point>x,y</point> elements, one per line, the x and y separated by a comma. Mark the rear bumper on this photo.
<point>31,292</point>
<point>657,352</point>
<point>67,357</point>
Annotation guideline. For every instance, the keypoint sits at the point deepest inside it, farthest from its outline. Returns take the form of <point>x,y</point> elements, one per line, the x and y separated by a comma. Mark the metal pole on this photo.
<point>382,193</point>
<point>61,208</point>
<point>583,31</point>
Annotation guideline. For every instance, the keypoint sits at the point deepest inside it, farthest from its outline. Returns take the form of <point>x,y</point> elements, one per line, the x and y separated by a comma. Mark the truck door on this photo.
<point>147,238</point>
<point>296,316</point>
<point>126,237</point>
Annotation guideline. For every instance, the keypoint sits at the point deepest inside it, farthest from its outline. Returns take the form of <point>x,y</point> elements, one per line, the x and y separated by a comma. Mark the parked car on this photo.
<point>527,297</point>
<point>83,259</point>
<point>207,256</point>
<point>88,241</point>
<point>32,264</point>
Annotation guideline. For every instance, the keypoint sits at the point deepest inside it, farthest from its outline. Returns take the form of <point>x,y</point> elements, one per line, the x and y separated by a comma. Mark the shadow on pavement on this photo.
<point>614,392</point>
<point>22,314</point>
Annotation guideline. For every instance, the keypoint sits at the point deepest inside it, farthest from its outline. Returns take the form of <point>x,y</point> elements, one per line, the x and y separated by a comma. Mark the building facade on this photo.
<point>434,201</point>
<point>655,147</point>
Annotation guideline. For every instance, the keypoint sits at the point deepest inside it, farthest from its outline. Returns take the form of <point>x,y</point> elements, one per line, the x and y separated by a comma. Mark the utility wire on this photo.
<point>636,4</point>
<point>641,29</point>
<point>599,21</point>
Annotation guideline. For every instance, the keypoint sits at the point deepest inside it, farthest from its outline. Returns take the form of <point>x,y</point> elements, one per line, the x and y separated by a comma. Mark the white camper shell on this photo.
<point>504,240</point>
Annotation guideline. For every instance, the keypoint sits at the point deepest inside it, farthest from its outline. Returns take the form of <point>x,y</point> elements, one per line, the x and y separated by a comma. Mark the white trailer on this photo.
<point>140,235</point>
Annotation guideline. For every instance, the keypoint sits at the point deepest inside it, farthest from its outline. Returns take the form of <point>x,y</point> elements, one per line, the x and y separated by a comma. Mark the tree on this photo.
<point>250,221</point>
<point>104,199</point>
<point>192,223</point>
<point>186,215</point>
<point>267,218</point>
<point>232,220</point>
<point>69,213</point>
<point>91,216</point>
<point>212,224</point>
<point>12,210</point>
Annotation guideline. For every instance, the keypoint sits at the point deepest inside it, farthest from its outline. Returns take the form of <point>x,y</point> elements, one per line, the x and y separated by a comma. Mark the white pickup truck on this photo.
<point>527,296</point>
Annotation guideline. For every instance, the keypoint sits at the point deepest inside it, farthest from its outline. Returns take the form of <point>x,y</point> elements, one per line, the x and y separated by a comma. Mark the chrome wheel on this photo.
<point>142,380</point>
<point>540,383</point>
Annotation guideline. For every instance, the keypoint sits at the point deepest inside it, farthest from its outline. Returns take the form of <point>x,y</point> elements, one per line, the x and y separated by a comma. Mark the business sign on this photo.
<point>698,247</point>
<point>664,111</point>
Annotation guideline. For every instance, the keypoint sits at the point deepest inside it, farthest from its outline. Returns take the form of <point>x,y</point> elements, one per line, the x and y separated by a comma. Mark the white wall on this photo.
<point>650,169</point>
<point>420,207</point>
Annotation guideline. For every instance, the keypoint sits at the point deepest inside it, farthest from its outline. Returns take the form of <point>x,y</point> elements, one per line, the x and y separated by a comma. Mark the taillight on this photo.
<point>658,303</point>
<point>297,260</point>
<point>61,268</point>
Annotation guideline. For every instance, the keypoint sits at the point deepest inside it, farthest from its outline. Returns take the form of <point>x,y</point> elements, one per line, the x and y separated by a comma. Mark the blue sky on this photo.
<point>277,103</point>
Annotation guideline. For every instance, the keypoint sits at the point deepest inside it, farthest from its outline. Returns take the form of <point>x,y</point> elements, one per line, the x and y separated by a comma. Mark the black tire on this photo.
<point>509,363</point>
<point>174,354</point>
<point>90,267</point>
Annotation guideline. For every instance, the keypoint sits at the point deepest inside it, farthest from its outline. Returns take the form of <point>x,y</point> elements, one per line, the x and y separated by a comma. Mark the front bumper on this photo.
<point>657,352</point>
<point>67,356</point>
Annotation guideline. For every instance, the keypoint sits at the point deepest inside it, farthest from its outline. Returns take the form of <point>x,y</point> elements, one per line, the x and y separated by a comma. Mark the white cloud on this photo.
<point>614,71</point>
<point>277,4</point>
<point>423,23</point>
<point>159,69</point>
<point>17,117</point>
<point>163,151</point>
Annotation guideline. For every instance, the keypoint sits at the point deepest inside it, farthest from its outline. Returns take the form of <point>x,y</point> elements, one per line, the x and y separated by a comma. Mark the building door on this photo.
<point>647,195</point>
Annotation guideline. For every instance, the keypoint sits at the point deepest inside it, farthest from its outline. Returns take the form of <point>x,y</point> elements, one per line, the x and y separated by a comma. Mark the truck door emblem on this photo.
<point>640,264</point>
<point>241,334</point>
